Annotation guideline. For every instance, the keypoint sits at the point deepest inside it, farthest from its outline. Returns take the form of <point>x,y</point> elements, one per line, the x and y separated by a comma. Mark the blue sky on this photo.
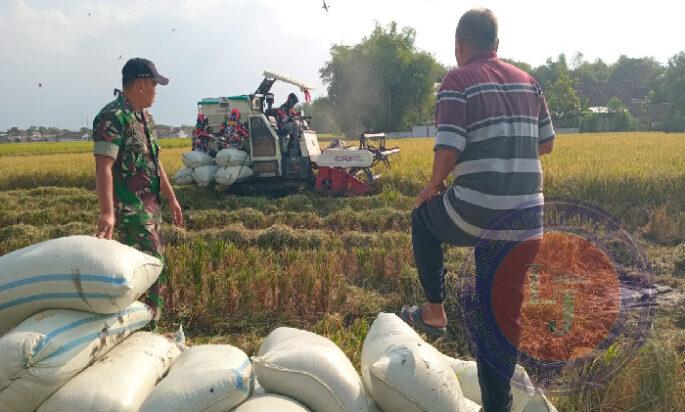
<point>221,47</point>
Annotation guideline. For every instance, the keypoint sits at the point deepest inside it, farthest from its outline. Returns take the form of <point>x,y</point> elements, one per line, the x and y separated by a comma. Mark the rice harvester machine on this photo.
<point>291,151</point>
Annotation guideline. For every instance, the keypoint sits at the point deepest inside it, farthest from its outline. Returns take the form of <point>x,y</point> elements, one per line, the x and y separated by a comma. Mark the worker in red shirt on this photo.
<point>201,134</point>
<point>232,132</point>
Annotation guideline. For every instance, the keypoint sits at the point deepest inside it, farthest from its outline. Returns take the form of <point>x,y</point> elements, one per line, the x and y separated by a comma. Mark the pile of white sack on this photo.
<point>70,341</point>
<point>229,166</point>
<point>400,373</point>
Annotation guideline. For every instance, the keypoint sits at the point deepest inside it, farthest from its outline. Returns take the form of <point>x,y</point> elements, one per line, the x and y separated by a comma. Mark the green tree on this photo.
<point>615,105</point>
<point>383,83</point>
<point>551,71</point>
<point>674,92</point>
<point>563,101</point>
<point>620,119</point>
<point>586,72</point>
<point>644,122</point>
<point>642,71</point>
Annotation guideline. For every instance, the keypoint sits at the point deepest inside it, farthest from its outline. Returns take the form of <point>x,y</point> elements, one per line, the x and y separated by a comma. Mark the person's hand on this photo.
<point>176,213</point>
<point>106,223</point>
<point>429,192</point>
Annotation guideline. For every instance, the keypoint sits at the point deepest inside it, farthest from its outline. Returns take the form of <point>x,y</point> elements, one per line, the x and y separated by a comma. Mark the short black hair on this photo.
<point>126,83</point>
<point>478,28</point>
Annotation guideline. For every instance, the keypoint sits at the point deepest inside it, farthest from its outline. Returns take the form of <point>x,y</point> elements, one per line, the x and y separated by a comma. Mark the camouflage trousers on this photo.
<point>147,239</point>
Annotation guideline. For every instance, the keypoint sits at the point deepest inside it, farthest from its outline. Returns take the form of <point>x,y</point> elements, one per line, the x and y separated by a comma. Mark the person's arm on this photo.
<point>107,138</point>
<point>168,192</point>
<point>546,148</point>
<point>450,138</point>
<point>104,186</point>
<point>545,129</point>
<point>444,161</point>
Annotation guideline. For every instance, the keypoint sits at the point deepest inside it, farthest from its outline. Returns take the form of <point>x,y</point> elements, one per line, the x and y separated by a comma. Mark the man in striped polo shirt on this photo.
<point>493,124</point>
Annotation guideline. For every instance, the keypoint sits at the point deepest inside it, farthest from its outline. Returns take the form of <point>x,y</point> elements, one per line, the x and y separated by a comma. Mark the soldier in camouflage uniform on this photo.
<point>130,177</point>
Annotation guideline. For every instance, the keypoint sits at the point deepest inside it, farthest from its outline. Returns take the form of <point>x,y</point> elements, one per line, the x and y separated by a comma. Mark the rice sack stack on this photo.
<point>205,378</point>
<point>197,159</point>
<point>121,380</point>
<point>204,175</point>
<point>47,350</point>
<point>184,176</point>
<point>232,157</point>
<point>310,369</point>
<point>401,372</point>
<point>228,175</point>
<point>78,272</point>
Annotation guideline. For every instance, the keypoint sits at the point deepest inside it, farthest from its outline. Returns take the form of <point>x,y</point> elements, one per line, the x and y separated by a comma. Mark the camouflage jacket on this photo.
<point>129,137</point>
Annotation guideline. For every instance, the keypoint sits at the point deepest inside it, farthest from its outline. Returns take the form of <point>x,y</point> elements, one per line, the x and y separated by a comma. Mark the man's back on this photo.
<point>493,125</point>
<point>495,115</point>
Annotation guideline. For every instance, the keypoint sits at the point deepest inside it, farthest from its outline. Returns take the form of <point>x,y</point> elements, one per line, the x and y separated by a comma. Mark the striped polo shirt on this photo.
<point>494,115</point>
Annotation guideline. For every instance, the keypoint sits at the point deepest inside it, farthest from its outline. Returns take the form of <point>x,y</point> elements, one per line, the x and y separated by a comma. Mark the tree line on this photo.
<point>655,85</point>
<point>384,83</point>
<point>44,132</point>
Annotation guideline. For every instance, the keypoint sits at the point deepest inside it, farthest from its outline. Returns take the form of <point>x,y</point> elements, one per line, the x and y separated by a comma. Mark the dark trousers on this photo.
<point>147,239</point>
<point>494,313</point>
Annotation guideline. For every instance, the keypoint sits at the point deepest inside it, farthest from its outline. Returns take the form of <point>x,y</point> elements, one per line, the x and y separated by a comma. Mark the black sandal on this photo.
<point>412,316</point>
